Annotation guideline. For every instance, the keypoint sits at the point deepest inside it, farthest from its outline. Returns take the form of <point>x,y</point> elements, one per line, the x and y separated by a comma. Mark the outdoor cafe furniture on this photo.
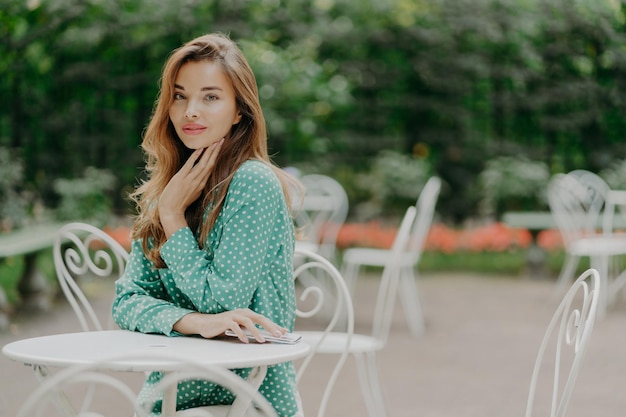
<point>355,258</point>
<point>325,320</point>
<point>577,201</point>
<point>364,347</point>
<point>110,350</point>
<point>320,213</point>
<point>84,251</point>
<point>565,342</point>
<point>89,383</point>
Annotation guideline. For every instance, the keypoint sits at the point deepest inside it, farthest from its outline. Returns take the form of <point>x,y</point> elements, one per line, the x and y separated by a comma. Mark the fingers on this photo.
<point>246,319</point>
<point>202,158</point>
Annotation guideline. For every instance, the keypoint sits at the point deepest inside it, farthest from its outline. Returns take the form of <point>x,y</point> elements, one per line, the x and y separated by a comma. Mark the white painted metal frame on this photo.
<point>569,331</point>
<point>365,347</point>
<point>82,249</point>
<point>354,258</point>
<point>323,211</point>
<point>93,376</point>
<point>324,297</point>
<point>576,201</point>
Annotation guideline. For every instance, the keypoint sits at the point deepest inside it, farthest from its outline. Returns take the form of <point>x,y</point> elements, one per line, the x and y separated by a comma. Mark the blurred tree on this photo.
<point>453,82</point>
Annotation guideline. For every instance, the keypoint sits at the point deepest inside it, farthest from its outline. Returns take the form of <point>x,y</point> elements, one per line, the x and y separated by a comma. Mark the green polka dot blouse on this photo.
<point>246,263</point>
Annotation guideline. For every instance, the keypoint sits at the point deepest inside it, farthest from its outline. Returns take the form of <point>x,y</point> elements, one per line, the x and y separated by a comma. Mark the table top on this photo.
<point>533,220</point>
<point>147,352</point>
<point>28,239</point>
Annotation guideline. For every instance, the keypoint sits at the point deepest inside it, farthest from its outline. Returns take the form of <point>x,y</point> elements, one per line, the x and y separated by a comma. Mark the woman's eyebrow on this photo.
<point>210,88</point>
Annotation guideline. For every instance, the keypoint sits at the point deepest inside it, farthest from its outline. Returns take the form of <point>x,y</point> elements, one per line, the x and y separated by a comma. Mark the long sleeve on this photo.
<point>247,262</point>
<point>142,302</point>
<point>249,253</point>
<point>226,276</point>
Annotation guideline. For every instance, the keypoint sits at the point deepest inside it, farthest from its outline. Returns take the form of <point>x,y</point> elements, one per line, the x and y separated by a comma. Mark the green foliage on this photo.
<point>394,182</point>
<point>86,198</point>
<point>340,81</point>
<point>11,271</point>
<point>13,201</point>
<point>513,183</point>
<point>615,175</point>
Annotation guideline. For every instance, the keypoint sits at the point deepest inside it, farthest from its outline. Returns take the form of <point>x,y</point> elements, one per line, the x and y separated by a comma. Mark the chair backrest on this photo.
<point>324,210</point>
<point>576,201</point>
<point>82,391</point>
<point>614,216</point>
<point>80,251</point>
<point>568,336</point>
<point>388,288</point>
<point>323,302</point>
<point>248,400</point>
<point>87,390</point>
<point>425,204</point>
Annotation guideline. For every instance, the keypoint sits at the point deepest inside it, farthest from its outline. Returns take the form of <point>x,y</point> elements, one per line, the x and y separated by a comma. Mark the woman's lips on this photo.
<point>193,129</point>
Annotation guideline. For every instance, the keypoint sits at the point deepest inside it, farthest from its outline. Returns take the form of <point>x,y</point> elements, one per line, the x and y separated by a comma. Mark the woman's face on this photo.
<point>204,107</point>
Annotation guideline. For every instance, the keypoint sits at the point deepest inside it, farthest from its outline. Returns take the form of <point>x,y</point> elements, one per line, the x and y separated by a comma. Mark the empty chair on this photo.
<point>364,347</point>
<point>354,258</point>
<point>322,213</point>
<point>82,251</point>
<point>51,397</point>
<point>567,338</point>
<point>112,397</point>
<point>576,202</point>
<point>325,310</point>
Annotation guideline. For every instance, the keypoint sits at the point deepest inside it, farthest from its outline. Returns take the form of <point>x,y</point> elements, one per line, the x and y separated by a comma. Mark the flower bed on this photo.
<point>494,237</point>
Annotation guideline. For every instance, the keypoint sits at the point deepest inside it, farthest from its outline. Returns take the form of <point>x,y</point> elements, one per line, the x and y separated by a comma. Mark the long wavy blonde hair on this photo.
<point>166,153</point>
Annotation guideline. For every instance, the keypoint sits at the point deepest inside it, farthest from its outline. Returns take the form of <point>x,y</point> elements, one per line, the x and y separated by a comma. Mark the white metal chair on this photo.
<point>324,308</point>
<point>81,251</point>
<point>567,338</point>
<point>576,202</point>
<point>364,347</point>
<point>248,400</point>
<point>81,401</point>
<point>323,211</point>
<point>354,258</point>
<point>75,385</point>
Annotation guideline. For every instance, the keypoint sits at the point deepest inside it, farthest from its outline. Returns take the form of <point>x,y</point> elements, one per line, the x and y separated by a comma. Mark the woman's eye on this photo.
<point>178,96</point>
<point>211,97</point>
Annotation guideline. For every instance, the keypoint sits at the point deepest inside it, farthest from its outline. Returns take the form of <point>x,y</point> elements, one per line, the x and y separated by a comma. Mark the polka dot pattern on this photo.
<point>246,263</point>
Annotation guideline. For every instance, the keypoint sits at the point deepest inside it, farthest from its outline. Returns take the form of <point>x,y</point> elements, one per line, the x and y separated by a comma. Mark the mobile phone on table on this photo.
<point>287,338</point>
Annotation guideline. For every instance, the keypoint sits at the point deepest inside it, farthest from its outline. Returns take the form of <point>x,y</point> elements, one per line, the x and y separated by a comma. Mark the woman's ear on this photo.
<point>237,118</point>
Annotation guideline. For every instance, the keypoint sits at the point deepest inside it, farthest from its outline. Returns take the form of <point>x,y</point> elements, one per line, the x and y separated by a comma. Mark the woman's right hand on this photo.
<point>185,187</point>
<point>213,325</point>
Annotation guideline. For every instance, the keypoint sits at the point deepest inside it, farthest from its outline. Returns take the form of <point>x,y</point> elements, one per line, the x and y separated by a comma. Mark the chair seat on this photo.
<point>599,246</point>
<point>216,411</point>
<point>375,257</point>
<point>335,343</point>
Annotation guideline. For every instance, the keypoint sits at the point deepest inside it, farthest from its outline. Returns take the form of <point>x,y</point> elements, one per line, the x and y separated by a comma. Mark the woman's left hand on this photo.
<point>212,325</point>
<point>185,187</point>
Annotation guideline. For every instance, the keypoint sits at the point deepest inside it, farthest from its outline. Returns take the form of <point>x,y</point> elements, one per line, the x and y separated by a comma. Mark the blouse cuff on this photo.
<point>178,245</point>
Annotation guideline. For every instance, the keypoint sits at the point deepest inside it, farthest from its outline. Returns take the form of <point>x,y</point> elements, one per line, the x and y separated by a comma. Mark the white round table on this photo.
<point>123,350</point>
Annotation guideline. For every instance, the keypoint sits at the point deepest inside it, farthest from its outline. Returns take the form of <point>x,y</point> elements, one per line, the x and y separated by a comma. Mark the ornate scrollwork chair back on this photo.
<point>325,315</point>
<point>567,338</point>
<point>81,251</point>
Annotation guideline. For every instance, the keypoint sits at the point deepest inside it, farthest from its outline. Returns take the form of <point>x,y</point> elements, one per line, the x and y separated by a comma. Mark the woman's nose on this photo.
<point>190,111</point>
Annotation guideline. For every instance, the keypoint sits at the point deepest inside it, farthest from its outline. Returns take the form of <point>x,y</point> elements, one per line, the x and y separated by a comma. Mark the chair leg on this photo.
<point>411,302</point>
<point>370,384</point>
<point>61,402</point>
<point>350,272</point>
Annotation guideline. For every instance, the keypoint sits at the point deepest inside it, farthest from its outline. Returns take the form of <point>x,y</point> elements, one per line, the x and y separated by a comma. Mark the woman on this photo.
<point>213,240</point>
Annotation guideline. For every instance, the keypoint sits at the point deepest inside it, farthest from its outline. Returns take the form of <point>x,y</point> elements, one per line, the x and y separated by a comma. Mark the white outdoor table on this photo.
<point>150,353</point>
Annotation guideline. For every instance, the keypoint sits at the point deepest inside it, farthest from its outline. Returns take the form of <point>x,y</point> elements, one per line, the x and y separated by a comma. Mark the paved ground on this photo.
<point>475,359</point>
